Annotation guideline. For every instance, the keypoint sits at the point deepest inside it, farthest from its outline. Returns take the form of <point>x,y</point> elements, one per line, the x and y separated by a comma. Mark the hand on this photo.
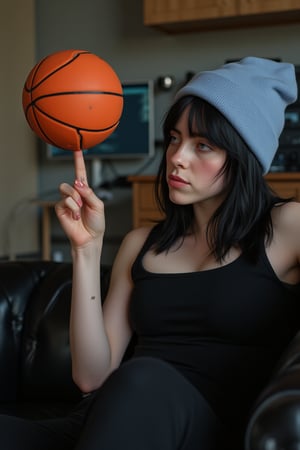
<point>80,212</point>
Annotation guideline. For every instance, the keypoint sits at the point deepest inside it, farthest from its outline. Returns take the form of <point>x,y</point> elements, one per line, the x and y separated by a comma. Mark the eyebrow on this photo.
<point>176,130</point>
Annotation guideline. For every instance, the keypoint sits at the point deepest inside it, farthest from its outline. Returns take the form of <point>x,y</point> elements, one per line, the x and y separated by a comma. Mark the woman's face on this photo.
<point>193,166</point>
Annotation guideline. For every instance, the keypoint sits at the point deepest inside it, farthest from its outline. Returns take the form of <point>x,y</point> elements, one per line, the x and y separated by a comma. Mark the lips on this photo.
<point>176,181</point>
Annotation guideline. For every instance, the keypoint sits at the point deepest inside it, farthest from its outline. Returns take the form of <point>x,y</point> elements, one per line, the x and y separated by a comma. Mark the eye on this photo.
<point>174,138</point>
<point>204,147</point>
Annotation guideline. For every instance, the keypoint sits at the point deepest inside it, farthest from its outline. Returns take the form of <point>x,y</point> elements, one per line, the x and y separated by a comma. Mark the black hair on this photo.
<point>244,217</point>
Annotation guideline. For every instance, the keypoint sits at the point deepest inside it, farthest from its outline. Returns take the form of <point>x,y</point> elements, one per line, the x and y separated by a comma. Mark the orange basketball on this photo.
<point>73,99</point>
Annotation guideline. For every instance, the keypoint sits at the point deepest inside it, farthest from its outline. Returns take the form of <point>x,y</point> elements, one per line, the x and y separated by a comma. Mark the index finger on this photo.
<point>80,170</point>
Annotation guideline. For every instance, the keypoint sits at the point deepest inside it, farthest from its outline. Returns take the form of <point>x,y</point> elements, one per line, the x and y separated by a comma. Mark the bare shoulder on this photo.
<point>136,237</point>
<point>286,226</point>
<point>121,269</point>
<point>131,245</point>
<point>287,217</point>
<point>284,250</point>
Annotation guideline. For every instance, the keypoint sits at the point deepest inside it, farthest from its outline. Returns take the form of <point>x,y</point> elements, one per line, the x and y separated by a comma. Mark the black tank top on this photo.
<point>223,329</point>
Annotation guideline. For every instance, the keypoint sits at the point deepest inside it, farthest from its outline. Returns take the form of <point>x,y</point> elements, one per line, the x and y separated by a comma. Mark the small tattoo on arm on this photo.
<point>93,297</point>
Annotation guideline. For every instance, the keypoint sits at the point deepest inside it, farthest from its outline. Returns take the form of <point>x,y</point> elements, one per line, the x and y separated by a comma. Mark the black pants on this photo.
<point>144,405</point>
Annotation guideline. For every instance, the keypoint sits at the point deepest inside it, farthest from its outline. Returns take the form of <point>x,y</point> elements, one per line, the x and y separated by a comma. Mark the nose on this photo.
<point>180,157</point>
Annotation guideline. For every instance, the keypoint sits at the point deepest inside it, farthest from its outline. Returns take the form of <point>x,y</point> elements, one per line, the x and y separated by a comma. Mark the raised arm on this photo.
<point>97,344</point>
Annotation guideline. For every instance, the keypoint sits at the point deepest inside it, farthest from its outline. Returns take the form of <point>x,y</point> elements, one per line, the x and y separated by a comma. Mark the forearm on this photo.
<point>89,344</point>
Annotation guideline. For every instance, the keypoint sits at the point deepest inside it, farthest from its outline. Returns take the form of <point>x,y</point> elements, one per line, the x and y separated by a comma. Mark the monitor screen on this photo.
<point>134,136</point>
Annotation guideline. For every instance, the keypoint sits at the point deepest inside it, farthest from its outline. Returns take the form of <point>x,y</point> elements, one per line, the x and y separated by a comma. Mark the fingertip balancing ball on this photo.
<point>73,99</point>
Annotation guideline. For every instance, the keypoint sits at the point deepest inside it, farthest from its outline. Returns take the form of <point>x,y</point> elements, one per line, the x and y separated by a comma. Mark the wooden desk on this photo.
<point>144,209</point>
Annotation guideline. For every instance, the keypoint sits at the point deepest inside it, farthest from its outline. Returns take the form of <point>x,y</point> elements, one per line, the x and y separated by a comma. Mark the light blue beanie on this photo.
<point>252,94</point>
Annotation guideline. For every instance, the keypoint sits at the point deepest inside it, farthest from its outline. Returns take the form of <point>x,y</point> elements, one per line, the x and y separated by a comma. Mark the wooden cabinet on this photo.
<point>145,211</point>
<point>175,16</point>
<point>168,11</point>
<point>267,6</point>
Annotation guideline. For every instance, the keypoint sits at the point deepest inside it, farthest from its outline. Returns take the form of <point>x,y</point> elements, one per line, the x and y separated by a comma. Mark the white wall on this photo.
<point>18,165</point>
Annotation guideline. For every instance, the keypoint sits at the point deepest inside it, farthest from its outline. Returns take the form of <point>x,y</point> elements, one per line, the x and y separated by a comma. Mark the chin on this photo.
<point>179,200</point>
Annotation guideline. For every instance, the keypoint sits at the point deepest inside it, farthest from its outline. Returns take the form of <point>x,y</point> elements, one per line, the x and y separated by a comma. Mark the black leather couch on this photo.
<point>35,364</point>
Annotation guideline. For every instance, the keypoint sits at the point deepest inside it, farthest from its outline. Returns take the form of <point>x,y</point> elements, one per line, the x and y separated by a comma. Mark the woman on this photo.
<point>210,292</point>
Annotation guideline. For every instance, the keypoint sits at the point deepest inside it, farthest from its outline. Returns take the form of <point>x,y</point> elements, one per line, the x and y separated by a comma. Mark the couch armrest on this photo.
<point>275,420</point>
<point>18,280</point>
<point>35,357</point>
<point>46,357</point>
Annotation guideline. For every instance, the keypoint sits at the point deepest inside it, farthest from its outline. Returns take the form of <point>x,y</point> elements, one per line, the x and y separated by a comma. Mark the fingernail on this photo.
<point>79,202</point>
<point>79,183</point>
